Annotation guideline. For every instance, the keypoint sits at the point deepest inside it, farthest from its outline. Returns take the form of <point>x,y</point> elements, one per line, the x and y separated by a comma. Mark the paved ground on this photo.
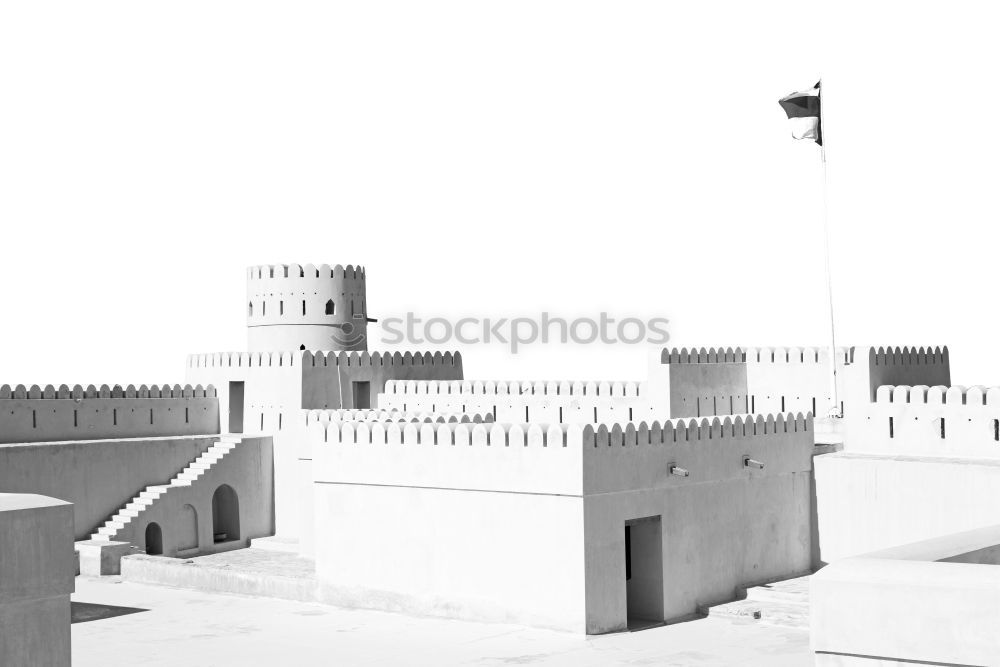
<point>124,623</point>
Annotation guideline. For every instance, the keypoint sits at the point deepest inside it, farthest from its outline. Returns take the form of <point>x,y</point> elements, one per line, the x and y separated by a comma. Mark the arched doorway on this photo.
<point>187,526</point>
<point>154,539</point>
<point>225,514</point>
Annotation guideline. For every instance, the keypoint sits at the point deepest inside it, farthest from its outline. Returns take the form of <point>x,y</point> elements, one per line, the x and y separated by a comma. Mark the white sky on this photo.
<point>493,159</point>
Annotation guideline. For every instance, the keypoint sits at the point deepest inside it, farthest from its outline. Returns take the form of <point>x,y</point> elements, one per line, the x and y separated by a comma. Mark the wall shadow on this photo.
<point>84,612</point>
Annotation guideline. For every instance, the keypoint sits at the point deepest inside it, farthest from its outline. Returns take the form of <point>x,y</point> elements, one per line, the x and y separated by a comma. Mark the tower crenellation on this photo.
<point>306,307</point>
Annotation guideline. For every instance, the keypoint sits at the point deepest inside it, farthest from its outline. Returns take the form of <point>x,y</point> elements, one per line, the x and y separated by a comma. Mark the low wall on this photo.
<point>871,502</point>
<point>700,382</point>
<point>935,602</point>
<point>929,421</point>
<point>328,377</point>
<point>521,402</point>
<point>37,567</point>
<point>46,415</point>
<point>97,476</point>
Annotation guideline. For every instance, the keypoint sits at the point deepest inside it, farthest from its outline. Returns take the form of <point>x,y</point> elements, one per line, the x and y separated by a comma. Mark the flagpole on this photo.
<point>835,408</point>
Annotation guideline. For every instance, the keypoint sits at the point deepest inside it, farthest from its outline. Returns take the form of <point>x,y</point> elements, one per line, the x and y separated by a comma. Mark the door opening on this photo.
<point>225,514</point>
<point>236,407</point>
<point>362,395</point>
<point>644,572</point>
<point>154,539</point>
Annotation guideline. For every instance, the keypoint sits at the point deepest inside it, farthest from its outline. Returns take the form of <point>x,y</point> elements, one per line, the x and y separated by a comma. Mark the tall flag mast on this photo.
<point>804,111</point>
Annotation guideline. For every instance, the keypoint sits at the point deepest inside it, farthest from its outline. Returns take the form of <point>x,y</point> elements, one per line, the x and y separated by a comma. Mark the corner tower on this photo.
<point>304,307</point>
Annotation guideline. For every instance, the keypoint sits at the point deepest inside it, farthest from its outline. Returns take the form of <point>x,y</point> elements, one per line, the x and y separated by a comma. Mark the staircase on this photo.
<point>784,603</point>
<point>150,494</point>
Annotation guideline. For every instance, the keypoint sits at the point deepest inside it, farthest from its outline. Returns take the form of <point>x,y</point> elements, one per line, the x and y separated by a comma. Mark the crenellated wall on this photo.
<point>293,458</point>
<point>930,421</point>
<point>554,458</point>
<point>312,416</point>
<point>271,383</point>
<point>305,307</point>
<point>541,401</point>
<point>903,366</point>
<point>704,381</point>
<point>735,380</point>
<point>796,379</point>
<point>49,414</point>
<point>329,379</point>
<point>472,505</point>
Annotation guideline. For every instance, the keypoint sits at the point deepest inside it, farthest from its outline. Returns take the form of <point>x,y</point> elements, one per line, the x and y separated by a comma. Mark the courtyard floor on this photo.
<point>124,623</point>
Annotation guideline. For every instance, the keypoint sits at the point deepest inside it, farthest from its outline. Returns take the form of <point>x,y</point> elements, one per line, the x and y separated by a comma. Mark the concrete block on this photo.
<point>102,558</point>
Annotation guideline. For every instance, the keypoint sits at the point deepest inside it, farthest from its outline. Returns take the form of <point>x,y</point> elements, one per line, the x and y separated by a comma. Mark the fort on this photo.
<point>409,487</point>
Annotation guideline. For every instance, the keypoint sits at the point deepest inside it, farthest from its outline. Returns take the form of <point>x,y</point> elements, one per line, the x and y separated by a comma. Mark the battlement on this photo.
<point>915,366</point>
<point>282,271</point>
<point>975,396</point>
<point>50,414</point>
<point>498,434</point>
<point>909,356</point>
<point>313,416</point>
<point>924,420</point>
<point>703,381</point>
<point>104,391</point>
<point>545,402</point>
<point>567,459</point>
<point>760,355</point>
<point>514,388</point>
<point>355,359</point>
<point>305,307</point>
<point>244,360</point>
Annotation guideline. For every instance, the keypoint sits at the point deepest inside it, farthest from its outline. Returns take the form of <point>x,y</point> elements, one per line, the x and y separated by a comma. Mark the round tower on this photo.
<point>293,307</point>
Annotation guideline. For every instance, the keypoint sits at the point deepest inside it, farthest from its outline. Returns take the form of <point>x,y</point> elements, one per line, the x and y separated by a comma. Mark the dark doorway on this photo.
<point>225,514</point>
<point>154,539</point>
<point>362,395</point>
<point>644,572</point>
<point>236,407</point>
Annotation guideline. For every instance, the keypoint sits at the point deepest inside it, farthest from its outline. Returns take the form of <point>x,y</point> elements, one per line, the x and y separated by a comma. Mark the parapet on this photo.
<point>541,435</point>
<point>335,415</point>
<point>313,359</point>
<point>104,391</point>
<point>243,360</point>
<point>514,388</point>
<point>926,420</point>
<point>975,396</point>
<point>272,271</point>
<point>909,356</point>
<point>568,459</point>
<point>901,366</point>
<point>760,355</point>
<point>51,414</point>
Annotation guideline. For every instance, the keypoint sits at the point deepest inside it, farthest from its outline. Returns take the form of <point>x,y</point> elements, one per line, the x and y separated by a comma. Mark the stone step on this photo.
<point>150,494</point>
<point>108,531</point>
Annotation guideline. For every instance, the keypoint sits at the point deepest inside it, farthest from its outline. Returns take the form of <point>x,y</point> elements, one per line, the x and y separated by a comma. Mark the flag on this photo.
<point>803,110</point>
